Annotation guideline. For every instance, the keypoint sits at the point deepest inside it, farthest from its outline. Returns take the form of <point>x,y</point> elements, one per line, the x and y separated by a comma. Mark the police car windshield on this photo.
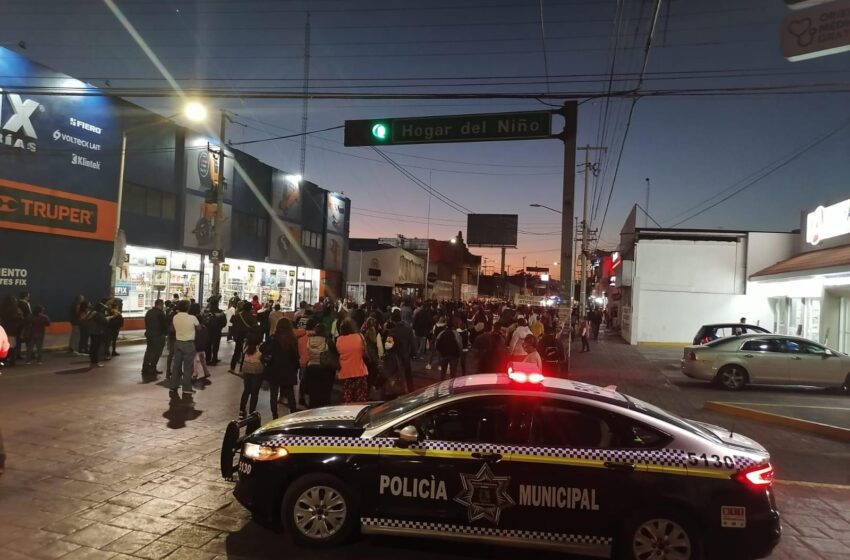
<point>390,410</point>
<point>663,415</point>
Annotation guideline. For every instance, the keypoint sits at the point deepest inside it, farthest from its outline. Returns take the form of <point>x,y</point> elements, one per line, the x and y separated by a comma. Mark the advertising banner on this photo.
<point>334,249</point>
<point>286,196</point>
<point>199,224</point>
<point>285,244</point>
<point>336,214</point>
<point>67,143</point>
<point>30,208</point>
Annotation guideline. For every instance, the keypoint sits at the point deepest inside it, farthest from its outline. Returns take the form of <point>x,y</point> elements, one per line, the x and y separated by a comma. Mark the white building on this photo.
<point>381,274</point>
<point>809,293</point>
<point>674,281</point>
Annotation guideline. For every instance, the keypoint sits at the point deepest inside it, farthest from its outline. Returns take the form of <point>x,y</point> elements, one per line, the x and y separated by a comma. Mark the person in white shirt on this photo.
<point>185,326</point>
<point>515,348</point>
<point>529,344</point>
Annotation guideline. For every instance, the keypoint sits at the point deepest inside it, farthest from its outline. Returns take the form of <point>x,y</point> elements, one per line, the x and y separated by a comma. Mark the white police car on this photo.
<point>511,459</point>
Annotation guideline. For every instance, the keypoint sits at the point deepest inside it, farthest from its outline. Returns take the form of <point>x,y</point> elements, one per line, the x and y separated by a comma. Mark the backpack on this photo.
<point>447,343</point>
<point>253,363</point>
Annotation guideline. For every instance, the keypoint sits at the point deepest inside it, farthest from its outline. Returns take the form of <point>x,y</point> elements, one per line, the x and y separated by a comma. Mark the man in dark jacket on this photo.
<point>156,328</point>
<point>243,323</point>
<point>404,344</point>
<point>423,322</point>
<point>98,326</point>
<point>215,321</point>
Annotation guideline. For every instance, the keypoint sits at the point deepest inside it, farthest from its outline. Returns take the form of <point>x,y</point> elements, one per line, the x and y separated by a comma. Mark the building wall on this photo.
<point>766,249</point>
<point>680,285</point>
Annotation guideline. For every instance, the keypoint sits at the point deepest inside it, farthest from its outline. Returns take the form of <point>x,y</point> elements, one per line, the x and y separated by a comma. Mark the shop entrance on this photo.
<point>844,325</point>
<point>304,292</point>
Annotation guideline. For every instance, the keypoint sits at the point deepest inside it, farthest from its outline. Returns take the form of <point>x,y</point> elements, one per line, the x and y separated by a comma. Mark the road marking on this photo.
<point>805,484</point>
<point>823,430</point>
<point>789,405</point>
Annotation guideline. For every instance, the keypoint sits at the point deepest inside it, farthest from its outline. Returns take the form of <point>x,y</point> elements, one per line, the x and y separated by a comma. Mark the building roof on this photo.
<point>812,262</point>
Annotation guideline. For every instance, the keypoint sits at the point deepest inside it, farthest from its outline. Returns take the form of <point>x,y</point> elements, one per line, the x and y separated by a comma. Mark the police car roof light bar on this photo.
<point>520,377</point>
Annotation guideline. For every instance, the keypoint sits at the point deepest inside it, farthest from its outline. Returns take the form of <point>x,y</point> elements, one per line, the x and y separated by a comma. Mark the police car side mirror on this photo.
<point>407,436</point>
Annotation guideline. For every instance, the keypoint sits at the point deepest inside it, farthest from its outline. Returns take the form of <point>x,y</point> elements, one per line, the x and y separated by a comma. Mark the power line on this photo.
<point>646,51</point>
<point>768,170</point>
<point>294,135</point>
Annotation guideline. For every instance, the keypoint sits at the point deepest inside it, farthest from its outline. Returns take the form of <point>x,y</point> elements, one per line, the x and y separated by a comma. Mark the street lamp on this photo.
<point>546,207</point>
<point>195,112</point>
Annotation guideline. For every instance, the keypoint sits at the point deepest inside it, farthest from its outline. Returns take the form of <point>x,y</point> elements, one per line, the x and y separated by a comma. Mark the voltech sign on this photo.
<point>31,208</point>
<point>828,222</point>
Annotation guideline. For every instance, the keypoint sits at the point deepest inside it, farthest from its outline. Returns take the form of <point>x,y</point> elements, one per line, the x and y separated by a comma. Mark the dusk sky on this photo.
<point>692,147</point>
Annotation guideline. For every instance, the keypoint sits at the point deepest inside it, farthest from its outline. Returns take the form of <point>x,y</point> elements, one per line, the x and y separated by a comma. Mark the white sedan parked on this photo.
<point>767,358</point>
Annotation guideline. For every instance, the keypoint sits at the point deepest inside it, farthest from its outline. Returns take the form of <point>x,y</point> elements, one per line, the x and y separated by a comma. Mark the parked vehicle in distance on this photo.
<point>709,333</point>
<point>766,359</point>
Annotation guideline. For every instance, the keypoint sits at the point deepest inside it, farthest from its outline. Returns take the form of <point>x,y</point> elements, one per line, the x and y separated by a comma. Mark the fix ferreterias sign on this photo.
<point>31,208</point>
<point>828,222</point>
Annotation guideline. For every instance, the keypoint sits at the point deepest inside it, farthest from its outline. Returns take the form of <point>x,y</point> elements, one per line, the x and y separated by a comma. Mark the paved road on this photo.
<point>102,467</point>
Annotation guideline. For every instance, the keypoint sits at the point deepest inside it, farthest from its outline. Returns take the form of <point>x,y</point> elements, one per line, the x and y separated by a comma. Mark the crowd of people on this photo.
<point>94,328</point>
<point>300,356</point>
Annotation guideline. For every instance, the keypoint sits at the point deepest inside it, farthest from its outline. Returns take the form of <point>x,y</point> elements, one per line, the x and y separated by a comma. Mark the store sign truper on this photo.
<point>828,222</point>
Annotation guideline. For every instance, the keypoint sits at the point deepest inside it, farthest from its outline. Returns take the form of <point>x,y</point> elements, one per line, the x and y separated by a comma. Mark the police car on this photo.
<point>514,459</point>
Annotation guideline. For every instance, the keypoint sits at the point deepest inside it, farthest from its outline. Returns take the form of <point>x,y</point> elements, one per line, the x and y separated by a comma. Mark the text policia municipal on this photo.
<point>561,497</point>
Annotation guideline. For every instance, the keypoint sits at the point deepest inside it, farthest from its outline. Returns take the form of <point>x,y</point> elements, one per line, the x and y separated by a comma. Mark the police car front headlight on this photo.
<point>263,453</point>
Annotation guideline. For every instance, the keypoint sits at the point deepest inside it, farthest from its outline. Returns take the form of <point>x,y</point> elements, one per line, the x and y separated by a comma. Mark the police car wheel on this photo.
<point>732,377</point>
<point>318,510</point>
<point>660,535</point>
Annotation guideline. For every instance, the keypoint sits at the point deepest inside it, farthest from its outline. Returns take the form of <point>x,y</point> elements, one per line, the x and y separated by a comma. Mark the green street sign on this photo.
<point>486,127</point>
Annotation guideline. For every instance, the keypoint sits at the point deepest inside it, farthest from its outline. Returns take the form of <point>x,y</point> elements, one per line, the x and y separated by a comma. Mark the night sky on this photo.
<point>692,147</point>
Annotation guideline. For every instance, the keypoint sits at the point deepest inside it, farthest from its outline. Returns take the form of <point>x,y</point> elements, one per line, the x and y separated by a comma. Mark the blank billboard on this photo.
<point>491,230</point>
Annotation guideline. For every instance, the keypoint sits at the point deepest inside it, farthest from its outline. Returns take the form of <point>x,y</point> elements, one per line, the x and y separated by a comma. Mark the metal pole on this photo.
<point>219,209</point>
<point>524,283</point>
<point>504,278</point>
<point>120,200</point>
<point>646,208</point>
<point>582,304</point>
<point>570,114</point>
<point>360,279</point>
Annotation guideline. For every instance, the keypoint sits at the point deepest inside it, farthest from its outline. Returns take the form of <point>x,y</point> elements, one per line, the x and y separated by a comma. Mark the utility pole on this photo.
<point>568,136</point>
<point>305,102</point>
<point>588,168</point>
<point>646,208</point>
<point>524,283</point>
<point>219,209</point>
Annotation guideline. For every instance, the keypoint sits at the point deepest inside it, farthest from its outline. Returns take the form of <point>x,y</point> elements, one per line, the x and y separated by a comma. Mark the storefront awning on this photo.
<point>824,261</point>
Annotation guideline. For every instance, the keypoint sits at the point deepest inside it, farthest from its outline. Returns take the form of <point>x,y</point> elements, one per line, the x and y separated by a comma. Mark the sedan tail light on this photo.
<point>757,476</point>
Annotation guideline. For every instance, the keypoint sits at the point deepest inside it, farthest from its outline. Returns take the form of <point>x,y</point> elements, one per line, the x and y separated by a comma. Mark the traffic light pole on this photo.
<point>568,136</point>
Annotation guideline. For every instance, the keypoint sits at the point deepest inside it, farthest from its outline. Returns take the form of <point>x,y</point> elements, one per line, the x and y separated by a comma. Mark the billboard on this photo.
<point>491,230</point>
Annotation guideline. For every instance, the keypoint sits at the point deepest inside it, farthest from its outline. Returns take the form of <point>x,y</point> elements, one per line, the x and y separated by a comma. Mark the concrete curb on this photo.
<point>824,430</point>
<point>121,342</point>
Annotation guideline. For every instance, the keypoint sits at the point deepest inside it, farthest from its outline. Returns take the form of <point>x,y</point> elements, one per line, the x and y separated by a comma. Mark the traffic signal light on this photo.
<point>380,132</point>
<point>375,132</point>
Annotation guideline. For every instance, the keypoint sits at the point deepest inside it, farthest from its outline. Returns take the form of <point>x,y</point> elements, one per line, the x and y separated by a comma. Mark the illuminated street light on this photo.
<point>195,111</point>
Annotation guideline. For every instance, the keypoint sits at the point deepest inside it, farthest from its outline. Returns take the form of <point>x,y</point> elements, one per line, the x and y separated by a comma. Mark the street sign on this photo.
<point>485,127</point>
<point>537,269</point>
<point>818,31</point>
<point>216,256</point>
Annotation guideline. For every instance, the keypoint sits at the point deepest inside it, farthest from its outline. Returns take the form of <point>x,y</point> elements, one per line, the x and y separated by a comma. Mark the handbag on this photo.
<point>329,359</point>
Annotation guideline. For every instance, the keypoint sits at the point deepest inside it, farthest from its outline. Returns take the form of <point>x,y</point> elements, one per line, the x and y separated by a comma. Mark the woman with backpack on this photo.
<point>251,367</point>
<point>281,355</point>
<point>244,323</point>
<point>322,362</point>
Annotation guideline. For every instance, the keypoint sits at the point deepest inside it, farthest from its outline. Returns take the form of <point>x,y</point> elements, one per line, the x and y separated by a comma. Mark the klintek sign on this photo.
<point>828,222</point>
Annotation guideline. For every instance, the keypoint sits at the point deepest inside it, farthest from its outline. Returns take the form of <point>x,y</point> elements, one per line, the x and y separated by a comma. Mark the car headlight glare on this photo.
<point>263,452</point>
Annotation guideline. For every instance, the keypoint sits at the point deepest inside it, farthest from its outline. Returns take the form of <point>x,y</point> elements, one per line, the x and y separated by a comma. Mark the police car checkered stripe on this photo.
<point>485,531</point>
<point>675,459</point>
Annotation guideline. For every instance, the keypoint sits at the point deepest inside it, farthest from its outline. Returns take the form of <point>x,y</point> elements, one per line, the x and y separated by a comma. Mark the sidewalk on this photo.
<point>58,342</point>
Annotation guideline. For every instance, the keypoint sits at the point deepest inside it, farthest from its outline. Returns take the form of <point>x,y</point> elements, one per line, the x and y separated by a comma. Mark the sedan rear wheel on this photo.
<point>732,377</point>
<point>660,535</point>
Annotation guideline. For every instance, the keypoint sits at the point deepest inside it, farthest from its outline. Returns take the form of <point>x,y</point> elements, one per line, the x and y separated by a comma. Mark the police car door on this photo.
<point>458,474</point>
<point>575,484</point>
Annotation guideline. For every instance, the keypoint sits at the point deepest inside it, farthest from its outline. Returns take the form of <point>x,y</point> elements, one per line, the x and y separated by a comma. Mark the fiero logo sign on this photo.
<point>16,128</point>
<point>31,208</point>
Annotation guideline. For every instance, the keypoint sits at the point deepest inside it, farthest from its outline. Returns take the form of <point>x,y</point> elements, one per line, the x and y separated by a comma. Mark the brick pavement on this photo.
<point>101,467</point>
